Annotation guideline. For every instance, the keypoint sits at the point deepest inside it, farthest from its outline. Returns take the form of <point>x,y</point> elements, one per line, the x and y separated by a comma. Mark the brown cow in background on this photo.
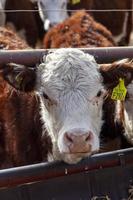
<point>79,30</point>
<point>20,126</point>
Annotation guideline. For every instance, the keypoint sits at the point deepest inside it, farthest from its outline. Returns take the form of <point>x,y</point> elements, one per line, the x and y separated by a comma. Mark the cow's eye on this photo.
<point>102,93</point>
<point>48,100</point>
<point>46,96</point>
<point>99,93</point>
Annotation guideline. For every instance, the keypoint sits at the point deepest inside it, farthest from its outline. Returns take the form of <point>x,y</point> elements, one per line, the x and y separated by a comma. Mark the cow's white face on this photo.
<point>70,84</point>
<point>52,11</point>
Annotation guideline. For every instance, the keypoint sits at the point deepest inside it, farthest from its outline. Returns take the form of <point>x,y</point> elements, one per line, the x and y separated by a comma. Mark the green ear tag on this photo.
<point>75,1</point>
<point>119,92</point>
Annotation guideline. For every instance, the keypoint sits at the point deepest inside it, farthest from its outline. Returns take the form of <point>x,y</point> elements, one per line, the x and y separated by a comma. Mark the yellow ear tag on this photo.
<point>75,1</point>
<point>119,92</point>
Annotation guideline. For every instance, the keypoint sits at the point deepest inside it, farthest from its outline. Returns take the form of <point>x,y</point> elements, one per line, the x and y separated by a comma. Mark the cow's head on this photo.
<point>52,11</point>
<point>71,88</point>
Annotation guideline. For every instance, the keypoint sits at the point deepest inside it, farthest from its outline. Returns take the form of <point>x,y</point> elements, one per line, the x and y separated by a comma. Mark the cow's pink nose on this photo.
<point>78,141</point>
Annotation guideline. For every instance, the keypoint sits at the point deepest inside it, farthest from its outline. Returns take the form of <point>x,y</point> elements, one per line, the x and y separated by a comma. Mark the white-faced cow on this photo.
<point>52,11</point>
<point>55,11</point>
<point>71,87</point>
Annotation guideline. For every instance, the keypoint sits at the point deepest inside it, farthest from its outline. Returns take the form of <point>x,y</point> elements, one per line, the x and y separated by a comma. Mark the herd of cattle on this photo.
<point>62,109</point>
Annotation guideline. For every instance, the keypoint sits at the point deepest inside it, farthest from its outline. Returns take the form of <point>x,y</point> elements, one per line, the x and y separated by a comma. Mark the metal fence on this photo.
<point>102,55</point>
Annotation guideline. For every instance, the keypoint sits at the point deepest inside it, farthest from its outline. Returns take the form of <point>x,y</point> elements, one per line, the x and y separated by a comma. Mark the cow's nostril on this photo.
<point>68,137</point>
<point>78,141</point>
<point>88,137</point>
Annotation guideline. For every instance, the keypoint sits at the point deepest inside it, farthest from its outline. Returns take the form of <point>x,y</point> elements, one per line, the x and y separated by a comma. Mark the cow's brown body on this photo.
<point>80,30</point>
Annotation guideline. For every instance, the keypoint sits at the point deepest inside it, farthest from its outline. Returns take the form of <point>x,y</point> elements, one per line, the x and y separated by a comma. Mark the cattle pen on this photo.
<point>99,177</point>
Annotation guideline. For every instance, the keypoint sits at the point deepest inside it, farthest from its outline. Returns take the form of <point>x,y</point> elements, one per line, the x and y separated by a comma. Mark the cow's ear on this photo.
<point>112,73</point>
<point>19,76</point>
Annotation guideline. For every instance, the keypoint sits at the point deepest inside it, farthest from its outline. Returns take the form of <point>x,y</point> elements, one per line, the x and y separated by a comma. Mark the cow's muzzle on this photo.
<point>78,141</point>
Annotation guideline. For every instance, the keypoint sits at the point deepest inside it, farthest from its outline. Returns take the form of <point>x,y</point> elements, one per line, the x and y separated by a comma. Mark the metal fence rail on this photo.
<point>64,10</point>
<point>31,57</point>
<point>43,171</point>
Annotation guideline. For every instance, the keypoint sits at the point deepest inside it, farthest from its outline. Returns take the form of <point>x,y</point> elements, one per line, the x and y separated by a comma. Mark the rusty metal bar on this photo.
<point>43,171</point>
<point>31,57</point>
